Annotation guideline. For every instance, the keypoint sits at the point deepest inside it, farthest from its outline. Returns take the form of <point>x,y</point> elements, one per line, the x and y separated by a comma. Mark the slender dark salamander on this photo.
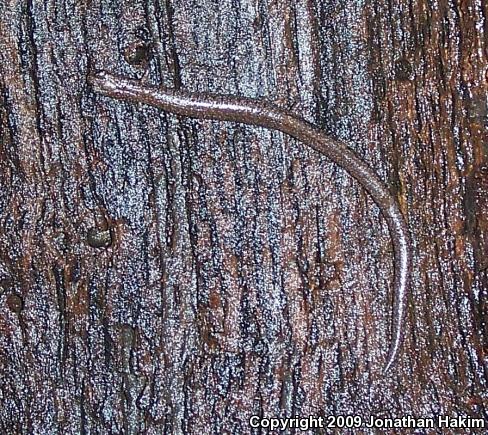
<point>259,113</point>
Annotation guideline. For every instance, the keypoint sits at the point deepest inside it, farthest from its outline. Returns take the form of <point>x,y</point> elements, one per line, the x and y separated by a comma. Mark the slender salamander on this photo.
<point>260,113</point>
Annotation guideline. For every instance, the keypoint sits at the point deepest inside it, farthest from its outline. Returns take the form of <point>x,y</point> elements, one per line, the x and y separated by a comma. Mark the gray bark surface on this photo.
<point>160,274</point>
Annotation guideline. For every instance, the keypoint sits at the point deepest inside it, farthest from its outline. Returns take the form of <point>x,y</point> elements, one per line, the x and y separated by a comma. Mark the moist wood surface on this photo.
<point>166,275</point>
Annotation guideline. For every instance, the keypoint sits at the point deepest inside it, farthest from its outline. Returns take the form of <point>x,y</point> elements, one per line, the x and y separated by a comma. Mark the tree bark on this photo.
<point>160,274</point>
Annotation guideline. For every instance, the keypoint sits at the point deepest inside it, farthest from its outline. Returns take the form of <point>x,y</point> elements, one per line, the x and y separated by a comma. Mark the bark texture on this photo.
<point>166,275</point>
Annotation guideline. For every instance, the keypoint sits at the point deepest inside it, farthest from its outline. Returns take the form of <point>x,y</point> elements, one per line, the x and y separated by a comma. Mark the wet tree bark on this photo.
<point>167,275</point>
